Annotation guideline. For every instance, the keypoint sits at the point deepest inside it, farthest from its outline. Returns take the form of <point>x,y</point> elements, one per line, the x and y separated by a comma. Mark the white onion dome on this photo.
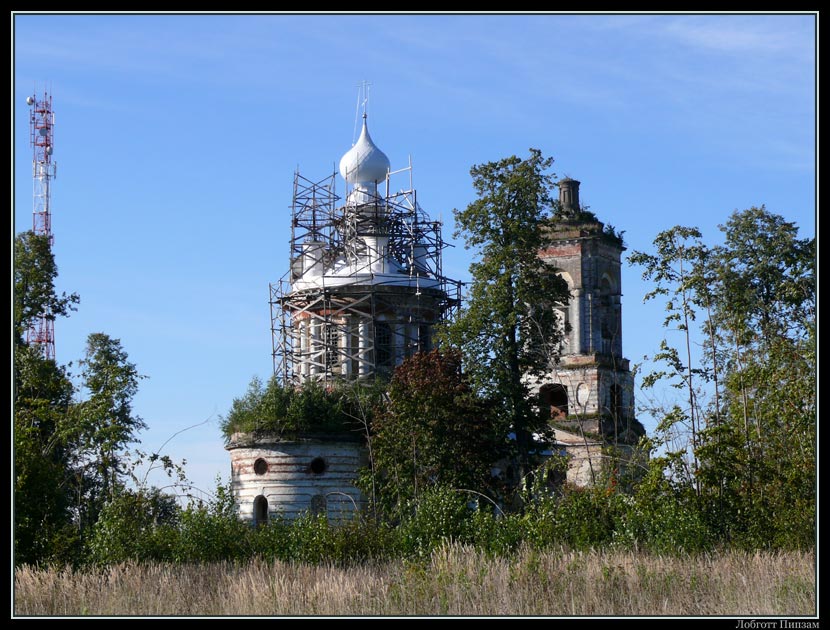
<point>364,162</point>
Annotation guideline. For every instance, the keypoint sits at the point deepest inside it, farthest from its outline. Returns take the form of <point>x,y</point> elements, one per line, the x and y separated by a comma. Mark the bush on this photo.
<point>493,533</point>
<point>133,526</point>
<point>437,515</point>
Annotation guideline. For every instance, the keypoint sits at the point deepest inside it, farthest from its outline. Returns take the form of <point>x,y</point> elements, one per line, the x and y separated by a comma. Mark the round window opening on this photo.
<point>318,465</point>
<point>260,466</point>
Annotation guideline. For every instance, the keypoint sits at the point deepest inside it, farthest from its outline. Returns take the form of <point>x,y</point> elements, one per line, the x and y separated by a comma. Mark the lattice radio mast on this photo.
<point>42,137</point>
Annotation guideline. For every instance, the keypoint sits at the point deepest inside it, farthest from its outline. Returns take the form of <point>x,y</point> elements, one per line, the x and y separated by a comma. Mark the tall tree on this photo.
<point>106,423</point>
<point>508,329</point>
<point>68,454</point>
<point>763,278</point>
<point>675,270</point>
<point>766,278</point>
<point>42,395</point>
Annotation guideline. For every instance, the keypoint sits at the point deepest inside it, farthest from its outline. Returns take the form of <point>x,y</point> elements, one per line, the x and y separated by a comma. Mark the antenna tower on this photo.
<point>41,333</point>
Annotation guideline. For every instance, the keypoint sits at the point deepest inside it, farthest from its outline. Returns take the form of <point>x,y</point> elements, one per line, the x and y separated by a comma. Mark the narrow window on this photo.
<point>383,344</point>
<point>332,348</point>
<point>424,338</point>
<point>260,511</point>
<point>616,403</point>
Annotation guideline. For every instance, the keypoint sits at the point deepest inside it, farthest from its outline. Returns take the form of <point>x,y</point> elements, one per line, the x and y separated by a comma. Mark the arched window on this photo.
<point>332,348</point>
<point>424,338</point>
<point>608,315</point>
<point>563,312</point>
<point>260,511</point>
<point>318,504</point>
<point>616,403</point>
<point>383,345</point>
<point>554,397</point>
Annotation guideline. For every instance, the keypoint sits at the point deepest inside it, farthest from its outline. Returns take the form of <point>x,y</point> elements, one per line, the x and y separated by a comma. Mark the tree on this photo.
<point>753,442</point>
<point>764,283</point>
<point>105,423</point>
<point>433,430</point>
<point>509,329</point>
<point>42,398</point>
<point>288,410</point>
<point>766,278</point>
<point>42,395</point>
<point>676,270</point>
<point>34,283</point>
<point>68,453</point>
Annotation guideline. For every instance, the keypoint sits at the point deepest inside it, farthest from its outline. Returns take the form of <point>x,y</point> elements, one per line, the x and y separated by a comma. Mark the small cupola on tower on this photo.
<point>569,196</point>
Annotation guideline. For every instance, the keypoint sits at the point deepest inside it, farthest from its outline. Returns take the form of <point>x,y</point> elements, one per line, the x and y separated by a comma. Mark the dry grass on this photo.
<point>454,581</point>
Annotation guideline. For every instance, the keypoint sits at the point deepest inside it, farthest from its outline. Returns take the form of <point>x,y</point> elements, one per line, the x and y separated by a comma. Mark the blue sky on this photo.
<point>177,137</point>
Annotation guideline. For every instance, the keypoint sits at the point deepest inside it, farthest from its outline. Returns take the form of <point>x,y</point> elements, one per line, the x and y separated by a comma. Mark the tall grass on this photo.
<point>454,580</point>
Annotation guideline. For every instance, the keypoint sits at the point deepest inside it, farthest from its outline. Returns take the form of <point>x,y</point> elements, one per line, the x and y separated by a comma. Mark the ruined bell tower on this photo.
<point>589,389</point>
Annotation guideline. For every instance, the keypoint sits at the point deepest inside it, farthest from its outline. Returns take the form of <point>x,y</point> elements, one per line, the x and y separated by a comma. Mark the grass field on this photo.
<point>454,581</point>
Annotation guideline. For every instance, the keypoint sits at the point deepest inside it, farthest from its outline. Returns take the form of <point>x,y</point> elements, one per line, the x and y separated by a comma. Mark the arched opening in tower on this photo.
<point>260,511</point>
<point>554,399</point>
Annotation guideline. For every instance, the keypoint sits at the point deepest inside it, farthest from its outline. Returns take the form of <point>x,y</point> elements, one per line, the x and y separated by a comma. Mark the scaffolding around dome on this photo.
<point>365,286</point>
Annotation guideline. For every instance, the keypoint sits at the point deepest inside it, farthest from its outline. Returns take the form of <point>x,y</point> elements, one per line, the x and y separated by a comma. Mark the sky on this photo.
<point>177,138</point>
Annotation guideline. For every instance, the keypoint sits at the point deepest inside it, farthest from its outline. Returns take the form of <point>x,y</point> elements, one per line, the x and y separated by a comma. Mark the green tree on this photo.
<point>754,441</point>
<point>105,423</point>
<point>289,410</point>
<point>675,270</point>
<point>764,284</point>
<point>34,284</point>
<point>509,329</point>
<point>68,454</point>
<point>433,430</point>
<point>42,398</point>
<point>42,394</point>
<point>765,278</point>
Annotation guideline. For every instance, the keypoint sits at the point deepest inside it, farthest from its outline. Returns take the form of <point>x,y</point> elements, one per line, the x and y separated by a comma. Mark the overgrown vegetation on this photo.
<point>70,440</point>
<point>285,411</point>
<point>432,429</point>
<point>739,446</point>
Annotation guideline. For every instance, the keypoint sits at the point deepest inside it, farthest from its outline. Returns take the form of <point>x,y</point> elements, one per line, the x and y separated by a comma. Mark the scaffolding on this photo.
<point>354,321</point>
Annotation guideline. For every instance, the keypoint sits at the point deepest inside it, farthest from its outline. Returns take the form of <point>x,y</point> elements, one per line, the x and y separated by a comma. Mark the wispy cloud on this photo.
<point>770,35</point>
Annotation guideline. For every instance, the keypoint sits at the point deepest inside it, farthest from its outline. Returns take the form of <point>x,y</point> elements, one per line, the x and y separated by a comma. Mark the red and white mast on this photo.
<point>42,137</point>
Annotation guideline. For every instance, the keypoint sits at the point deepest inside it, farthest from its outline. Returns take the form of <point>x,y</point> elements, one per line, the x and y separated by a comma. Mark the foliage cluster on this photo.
<point>130,529</point>
<point>284,410</point>
<point>509,327</point>
<point>742,438</point>
<point>70,436</point>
